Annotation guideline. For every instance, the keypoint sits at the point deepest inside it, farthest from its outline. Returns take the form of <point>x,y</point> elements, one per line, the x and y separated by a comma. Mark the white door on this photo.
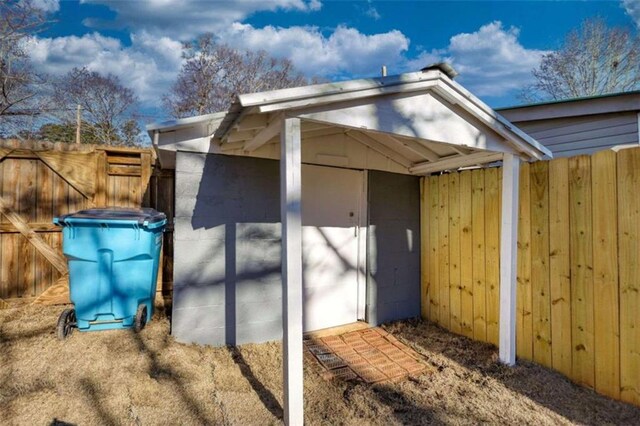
<point>333,263</point>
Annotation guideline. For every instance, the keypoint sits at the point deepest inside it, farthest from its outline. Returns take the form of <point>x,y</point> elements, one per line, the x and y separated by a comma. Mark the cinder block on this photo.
<point>394,247</point>
<point>209,317</point>
<point>260,289</point>
<point>202,336</point>
<point>190,295</point>
<point>259,332</point>
<point>190,162</point>
<point>257,312</point>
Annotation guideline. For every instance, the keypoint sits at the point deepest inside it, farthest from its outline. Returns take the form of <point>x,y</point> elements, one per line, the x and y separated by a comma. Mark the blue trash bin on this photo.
<point>113,256</point>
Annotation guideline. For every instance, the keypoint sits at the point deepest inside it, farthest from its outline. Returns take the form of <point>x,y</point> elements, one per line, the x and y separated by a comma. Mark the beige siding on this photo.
<point>570,136</point>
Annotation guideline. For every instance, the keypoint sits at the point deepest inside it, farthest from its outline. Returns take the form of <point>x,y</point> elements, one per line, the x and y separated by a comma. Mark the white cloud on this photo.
<point>632,7</point>
<point>186,19</point>
<point>149,66</point>
<point>48,6</point>
<point>151,63</point>
<point>346,51</point>
<point>372,12</point>
<point>491,61</point>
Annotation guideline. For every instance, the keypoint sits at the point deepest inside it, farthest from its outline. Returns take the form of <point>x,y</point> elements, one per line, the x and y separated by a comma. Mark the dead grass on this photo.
<point>118,377</point>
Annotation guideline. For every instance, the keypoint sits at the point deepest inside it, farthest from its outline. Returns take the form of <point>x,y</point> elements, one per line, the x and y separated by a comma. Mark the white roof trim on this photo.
<point>180,123</point>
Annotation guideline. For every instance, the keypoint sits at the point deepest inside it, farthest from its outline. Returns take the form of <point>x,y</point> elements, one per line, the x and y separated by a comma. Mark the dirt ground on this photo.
<point>120,378</point>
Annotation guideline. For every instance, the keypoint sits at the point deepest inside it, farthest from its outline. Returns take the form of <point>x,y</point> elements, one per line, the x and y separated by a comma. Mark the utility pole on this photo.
<point>78,123</point>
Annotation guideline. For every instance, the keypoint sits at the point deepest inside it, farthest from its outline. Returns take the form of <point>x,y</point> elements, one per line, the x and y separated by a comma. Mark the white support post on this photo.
<point>509,257</point>
<point>290,210</point>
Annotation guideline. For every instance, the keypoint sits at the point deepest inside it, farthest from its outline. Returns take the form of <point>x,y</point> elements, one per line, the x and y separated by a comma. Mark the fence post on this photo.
<point>509,257</point>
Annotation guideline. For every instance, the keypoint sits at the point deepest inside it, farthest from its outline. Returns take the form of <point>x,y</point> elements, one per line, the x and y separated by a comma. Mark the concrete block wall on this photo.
<point>227,281</point>
<point>393,258</point>
<point>227,261</point>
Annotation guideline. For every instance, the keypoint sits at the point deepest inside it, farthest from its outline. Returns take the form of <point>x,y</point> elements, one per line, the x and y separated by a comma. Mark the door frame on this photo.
<point>363,231</point>
<point>362,240</point>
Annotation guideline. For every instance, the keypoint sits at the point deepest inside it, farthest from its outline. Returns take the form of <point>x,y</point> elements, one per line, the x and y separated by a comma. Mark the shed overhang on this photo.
<point>423,121</point>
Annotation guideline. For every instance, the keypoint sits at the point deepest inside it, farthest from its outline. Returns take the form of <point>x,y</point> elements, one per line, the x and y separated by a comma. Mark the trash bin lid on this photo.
<point>140,216</point>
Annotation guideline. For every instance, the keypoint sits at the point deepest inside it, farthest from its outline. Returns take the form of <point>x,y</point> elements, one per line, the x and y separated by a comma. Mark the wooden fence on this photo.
<point>41,180</point>
<point>578,281</point>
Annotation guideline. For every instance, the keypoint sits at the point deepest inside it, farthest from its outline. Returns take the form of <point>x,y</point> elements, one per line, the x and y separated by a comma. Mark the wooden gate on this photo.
<point>41,180</point>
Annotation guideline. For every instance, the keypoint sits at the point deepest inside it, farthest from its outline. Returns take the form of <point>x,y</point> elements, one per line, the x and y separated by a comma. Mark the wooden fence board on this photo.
<point>454,252</point>
<point>44,276</point>
<point>443,245</point>
<point>434,211</point>
<point>524,318</point>
<point>26,209</point>
<point>9,270</point>
<point>605,274</point>
<point>424,248</point>
<point>540,263</point>
<point>76,168</point>
<point>581,269</point>
<point>466,256</point>
<point>628,174</point>
<point>478,269</point>
<point>559,265</point>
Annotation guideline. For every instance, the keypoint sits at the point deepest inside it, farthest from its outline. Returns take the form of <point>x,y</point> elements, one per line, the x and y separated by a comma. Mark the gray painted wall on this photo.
<point>570,136</point>
<point>393,281</point>
<point>227,282</point>
<point>227,272</point>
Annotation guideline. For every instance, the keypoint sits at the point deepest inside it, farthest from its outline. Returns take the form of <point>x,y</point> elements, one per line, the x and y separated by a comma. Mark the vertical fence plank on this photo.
<point>425,285</point>
<point>581,269</point>
<point>44,215</point>
<point>605,274</point>
<point>629,269</point>
<point>541,301</point>
<point>11,242</point>
<point>492,241</point>
<point>443,244</point>
<point>559,266</point>
<point>27,210</point>
<point>145,161</point>
<point>434,250</point>
<point>524,318</point>
<point>454,251</point>
<point>466,255</point>
<point>135,196</point>
<point>2,218</point>
<point>100,197</point>
<point>479,279</point>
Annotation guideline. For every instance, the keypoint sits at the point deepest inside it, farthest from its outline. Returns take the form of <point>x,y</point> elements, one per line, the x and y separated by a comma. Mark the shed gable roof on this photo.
<point>416,119</point>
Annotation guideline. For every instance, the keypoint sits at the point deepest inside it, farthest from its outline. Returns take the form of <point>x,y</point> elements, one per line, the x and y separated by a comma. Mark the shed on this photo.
<point>582,125</point>
<point>299,209</point>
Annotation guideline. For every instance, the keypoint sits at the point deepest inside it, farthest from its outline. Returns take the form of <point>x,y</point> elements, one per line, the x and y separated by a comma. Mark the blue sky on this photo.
<point>494,45</point>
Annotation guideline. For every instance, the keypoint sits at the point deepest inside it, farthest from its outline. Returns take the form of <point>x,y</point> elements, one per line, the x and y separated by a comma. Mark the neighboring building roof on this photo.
<point>583,125</point>
<point>600,104</point>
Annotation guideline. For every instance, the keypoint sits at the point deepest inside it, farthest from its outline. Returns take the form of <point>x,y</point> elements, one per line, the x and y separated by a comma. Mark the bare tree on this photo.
<point>20,84</point>
<point>213,74</point>
<point>107,106</point>
<point>593,60</point>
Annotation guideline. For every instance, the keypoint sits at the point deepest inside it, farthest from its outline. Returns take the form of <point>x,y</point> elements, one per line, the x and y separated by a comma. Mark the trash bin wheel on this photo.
<point>141,318</point>
<point>66,323</point>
